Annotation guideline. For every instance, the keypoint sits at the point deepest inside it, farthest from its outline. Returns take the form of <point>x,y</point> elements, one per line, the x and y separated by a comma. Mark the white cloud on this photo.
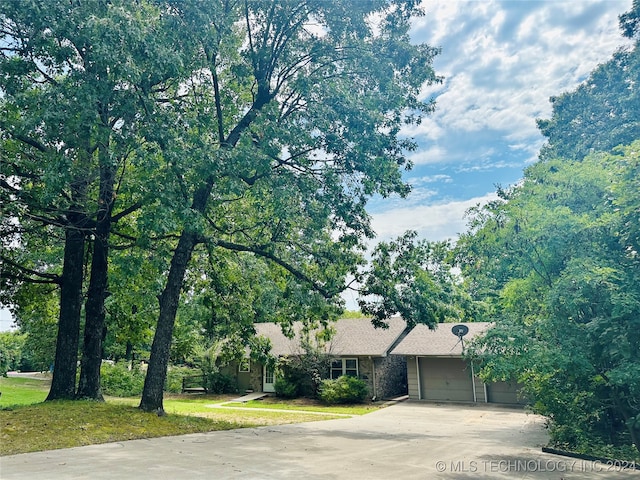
<point>502,60</point>
<point>432,154</point>
<point>431,179</point>
<point>433,222</point>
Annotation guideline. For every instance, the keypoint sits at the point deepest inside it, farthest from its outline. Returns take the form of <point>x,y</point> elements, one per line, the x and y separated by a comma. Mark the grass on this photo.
<point>28,424</point>
<point>63,424</point>
<point>200,406</point>
<point>22,391</point>
<point>307,405</point>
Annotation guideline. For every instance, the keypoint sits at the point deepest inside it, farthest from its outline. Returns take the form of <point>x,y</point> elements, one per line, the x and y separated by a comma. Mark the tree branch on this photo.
<point>43,277</point>
<point>126,211</point>
<point>274,258</point>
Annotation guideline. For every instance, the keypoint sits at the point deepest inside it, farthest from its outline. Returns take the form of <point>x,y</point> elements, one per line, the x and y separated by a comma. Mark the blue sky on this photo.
<point>501,61</point>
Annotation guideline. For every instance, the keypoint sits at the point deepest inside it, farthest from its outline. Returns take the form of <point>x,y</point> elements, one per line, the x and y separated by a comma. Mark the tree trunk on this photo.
<point>169,299</point>
<point>89,386</point>
<point>63,384</point>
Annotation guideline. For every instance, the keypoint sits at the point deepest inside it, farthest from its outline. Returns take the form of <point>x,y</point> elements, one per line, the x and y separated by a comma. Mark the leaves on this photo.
<point>568,305</point>
<point>235,136</point>
<point>600,114</point>
<point>414,279</point>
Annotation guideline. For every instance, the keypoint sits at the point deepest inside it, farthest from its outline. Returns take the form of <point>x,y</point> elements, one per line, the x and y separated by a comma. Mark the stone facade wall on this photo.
<point>391,376</point>
<point>251,380</point>
<point>255,376</point>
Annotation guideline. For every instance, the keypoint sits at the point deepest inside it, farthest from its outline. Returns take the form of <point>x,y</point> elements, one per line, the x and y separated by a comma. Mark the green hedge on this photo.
<point>285,389</point>
<point>344,389</point>
<point>118,381</point>
<point>218,382</point>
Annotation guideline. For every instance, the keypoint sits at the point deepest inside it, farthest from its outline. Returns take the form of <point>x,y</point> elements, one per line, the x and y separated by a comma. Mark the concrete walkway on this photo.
<point>32,375</point>
<point>250,396</point>
<point>406,441</point>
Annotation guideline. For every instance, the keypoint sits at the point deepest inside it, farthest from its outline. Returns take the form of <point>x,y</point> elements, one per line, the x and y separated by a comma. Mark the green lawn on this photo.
<point>278,404</point>
<point>22,391</point>
<point>62,424</point>
<point>28,424</point>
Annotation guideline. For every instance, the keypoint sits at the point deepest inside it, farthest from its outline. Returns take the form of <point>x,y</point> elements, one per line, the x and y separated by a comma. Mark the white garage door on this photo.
<point>445,379</point>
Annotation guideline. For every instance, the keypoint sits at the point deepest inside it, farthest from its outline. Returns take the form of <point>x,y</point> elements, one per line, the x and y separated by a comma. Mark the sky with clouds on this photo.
<point>501,61</point>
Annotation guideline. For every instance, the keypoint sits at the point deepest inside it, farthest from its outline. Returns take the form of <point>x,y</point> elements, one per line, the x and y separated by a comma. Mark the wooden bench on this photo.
<point>194,384</point>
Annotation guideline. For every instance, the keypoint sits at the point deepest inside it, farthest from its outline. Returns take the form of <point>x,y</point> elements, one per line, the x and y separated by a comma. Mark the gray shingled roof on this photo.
<point>439,342</point>
<point>354,336</point>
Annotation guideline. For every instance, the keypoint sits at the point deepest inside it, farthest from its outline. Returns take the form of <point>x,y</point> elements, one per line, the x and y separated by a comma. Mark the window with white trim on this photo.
<point>244,365</point>
<point>344,366</point>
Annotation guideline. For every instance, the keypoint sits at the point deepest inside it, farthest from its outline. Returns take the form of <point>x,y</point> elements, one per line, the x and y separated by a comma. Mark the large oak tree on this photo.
<point>80,84</point>
<point>292,123</point>
<point>254,127</point>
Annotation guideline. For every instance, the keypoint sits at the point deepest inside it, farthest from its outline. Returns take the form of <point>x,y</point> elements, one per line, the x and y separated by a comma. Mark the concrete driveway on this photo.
<point>409,440</point>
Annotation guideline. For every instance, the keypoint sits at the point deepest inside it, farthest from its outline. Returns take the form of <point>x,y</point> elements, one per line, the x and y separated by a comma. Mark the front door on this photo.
<point>268,380</point>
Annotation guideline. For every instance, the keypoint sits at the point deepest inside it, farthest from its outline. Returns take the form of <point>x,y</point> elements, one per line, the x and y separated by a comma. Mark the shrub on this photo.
<point>206,359</point>
<point>217,382</point>
<point>344,389</point>
<point>175,375</point>
<point>118,381</point>
<point>11,347</point>
<point>285,388</point>
<point>305,371</point>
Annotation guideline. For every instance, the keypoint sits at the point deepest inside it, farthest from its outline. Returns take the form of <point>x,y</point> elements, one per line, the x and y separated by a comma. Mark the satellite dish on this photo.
<point>460,330</point>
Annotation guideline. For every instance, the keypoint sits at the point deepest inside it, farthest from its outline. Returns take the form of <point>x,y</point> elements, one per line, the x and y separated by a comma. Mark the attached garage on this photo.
<point>445,379</point>
<point>504,392</point>
<point>437,370</point>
